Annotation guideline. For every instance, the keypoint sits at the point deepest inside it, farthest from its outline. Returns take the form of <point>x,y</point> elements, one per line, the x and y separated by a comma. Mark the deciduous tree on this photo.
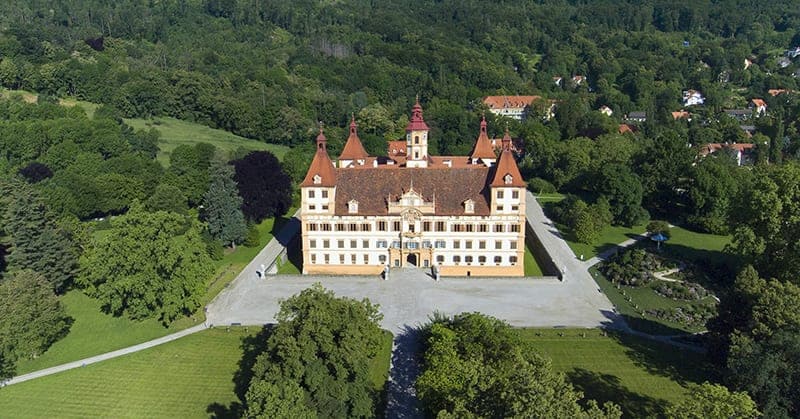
<point>265,189</point>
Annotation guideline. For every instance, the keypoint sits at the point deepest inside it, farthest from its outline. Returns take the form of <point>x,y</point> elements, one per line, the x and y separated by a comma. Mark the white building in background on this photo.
<point>463,214</point>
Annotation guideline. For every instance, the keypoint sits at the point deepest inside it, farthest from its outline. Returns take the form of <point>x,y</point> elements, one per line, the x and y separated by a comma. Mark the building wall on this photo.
<point>482,245</point>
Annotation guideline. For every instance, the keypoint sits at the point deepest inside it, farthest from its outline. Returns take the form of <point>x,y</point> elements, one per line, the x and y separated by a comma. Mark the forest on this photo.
<point>273,71</point>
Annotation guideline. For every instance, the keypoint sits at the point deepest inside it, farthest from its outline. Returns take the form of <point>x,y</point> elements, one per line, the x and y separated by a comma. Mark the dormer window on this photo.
<point>317,179</point>
<point>507,179</point>
<point>469,206</point>
<point>352,206</point>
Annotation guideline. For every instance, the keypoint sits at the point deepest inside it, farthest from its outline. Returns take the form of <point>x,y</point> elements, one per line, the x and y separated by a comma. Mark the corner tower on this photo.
<point>417,139</point>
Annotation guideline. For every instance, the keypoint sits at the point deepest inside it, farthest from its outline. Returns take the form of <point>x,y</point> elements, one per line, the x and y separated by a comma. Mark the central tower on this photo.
<point>417,139</point>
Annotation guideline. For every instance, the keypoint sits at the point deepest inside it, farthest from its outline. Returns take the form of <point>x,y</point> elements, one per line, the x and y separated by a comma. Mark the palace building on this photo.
<point>465,215</point>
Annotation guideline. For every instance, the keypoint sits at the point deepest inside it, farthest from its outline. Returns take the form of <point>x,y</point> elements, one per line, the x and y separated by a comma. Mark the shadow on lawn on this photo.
<point>252,347</point>
<point>606,387</point>
<point>680,365</point>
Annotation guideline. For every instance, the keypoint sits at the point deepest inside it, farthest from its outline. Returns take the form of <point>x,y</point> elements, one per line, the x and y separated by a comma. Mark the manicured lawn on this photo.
<point>175,132</point>
<point>94,332</point>
<point>638,374</point>
<point>696,247</point>
<point>184,378</point>
<point>531,267</point>
<point>196,376</point>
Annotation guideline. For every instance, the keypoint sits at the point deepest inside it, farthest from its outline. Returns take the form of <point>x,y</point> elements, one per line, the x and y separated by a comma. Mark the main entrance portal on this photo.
<point>412,259</point>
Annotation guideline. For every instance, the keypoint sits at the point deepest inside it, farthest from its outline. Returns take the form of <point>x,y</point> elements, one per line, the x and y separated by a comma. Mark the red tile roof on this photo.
<point>449,187</point>
<point>680,115</point>
<point>353,149</point>
<point>506,165</point>
<point>759,102</point>
<point>417,123</point>
<point>623,128</point>
<point>321,166</point>
<point>483,147</point>
<point>501,102</point>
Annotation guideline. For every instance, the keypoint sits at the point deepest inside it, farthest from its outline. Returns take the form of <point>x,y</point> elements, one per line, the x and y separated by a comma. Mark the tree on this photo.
<point>147,265</point>
<point>167,198</point>
<point>323,346</point>
<point>222,206</point>
<point>477,366</point>
<point>37,241</point>
<point>658,227</point>
<point>33,317</point>
<point>266,190</point>
<point>623,190</point>
<point>713,401</point>
<point>35,172</point>
<point>769,371</point>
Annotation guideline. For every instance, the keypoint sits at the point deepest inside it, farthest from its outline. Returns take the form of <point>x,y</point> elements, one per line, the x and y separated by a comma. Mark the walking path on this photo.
<point>102,357</point>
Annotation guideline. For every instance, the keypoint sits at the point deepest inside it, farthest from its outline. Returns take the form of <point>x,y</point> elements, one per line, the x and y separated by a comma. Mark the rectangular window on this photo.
<point>440,244</point>
<point>470,228</point>
<point>500,194</point>
<point>313,258</point>
<point>497,260</point>
<point>341,259</point>
<point>381,225</point>
<point>326,244</point>
<point>312,244</point>
<point>340,244</point>
<point>365,259</point>
<point>468,244</point>
<point>311,227</point>
<point>483,228</point>
<point>396,244</point>
<point>327,258</point>
<point>312,207</point>
<point>513,260</point>
<point>498,245</point>
<point>326,227</point>
<point>456,228</point>
<point>515,194</point>
<point>325,207</point>
<point>468,259</point>
<point>515,208</point>
<point>396,226</point>
<point>381,244</point>
<point>482,244</point>
<point>439,259</point>
<point>426,226</point>
<point>514,228</point>
<point>456,244</point>
<point>324,193</point>
<point>440,226</point>
<point>353,227</point>
<point>457,259</point>
<point>366,227</point>
<point>353,244</point>
<point>426,244</point>
<point>498,228</point>
<point>353,259</point>
<point>513,244</point>
<point>340,227</point>
<point>365,244</point>
<point>382,259</point>
<point>412,245</point>
<point>481,259</point>
<point>311,193</point>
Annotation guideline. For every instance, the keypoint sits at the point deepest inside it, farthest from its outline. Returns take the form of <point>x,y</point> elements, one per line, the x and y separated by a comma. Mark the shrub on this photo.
<point>632,267</point>
<point>680,290</point>
<point>252,237</point>
<point>657,226</point>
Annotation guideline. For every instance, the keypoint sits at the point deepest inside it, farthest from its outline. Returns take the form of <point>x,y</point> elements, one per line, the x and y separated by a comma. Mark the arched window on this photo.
<point>416,139</point>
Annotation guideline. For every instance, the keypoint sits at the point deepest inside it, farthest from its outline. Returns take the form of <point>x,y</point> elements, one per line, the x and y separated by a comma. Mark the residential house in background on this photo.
<point>758,106</point>
<point>739,114</point>
<point>516,107</point>
<point>605,110</point>
<point>693,97</point>
<point>743,152</point>
<point>636,117</point>
<point>681,114</point>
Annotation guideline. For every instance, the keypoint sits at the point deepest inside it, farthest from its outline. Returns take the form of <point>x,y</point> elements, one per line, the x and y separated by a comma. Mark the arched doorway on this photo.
<point>412,259</point>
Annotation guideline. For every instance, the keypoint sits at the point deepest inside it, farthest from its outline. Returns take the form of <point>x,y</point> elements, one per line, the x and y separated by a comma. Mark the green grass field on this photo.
<point>175,132</point>
<point>638,374</point>
<point>531,267</point>
<point>196,376</point>
<point>93,333</point>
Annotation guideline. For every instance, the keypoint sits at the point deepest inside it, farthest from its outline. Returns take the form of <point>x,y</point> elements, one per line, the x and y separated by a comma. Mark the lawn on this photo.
<point>531,267</point>
<point>697,247</point>
<point>638,374</point>
<point>93,333</point>
<point>196,376</point>
<point>175,132</point>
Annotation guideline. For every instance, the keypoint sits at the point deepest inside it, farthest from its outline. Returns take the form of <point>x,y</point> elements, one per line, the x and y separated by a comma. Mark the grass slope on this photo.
<point>196,376</point>
<point>638,374</point>
<point>175,132</point>
<point>93,333</point>
<point>180,379</point>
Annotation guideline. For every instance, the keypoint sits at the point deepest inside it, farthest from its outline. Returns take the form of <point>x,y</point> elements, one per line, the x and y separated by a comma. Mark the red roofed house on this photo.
<point>681,114</point>
<point>511,106</point>
<point>742,151</point>
<point>465,215</point>
<point>758,106</point>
